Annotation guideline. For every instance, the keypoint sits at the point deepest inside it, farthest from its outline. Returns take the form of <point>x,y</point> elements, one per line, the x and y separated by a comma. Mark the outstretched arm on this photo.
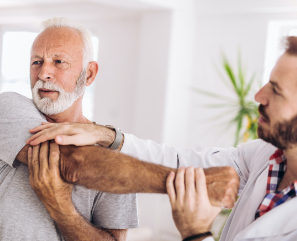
<point>110,171</point>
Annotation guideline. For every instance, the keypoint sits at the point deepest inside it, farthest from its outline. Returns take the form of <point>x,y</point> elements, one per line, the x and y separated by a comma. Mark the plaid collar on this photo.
<point>277,167</point>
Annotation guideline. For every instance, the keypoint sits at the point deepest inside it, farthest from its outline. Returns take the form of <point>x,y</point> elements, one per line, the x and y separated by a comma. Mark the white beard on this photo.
<point>66,99</point>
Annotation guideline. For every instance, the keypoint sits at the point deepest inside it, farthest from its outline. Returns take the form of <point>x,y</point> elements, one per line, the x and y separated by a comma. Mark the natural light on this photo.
<point>15,67</point>
<point>277,30</point>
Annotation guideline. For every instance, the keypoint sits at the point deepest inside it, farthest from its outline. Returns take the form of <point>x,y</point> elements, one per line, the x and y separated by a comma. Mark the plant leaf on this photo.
<point>211,94</point>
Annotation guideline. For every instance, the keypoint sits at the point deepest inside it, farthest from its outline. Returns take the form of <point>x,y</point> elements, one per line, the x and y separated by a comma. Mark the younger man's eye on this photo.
<point>274,91</point>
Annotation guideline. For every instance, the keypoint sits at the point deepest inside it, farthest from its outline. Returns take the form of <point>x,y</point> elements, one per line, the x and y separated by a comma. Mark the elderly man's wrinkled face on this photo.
<point>56,70</point>
<point>278,104</point>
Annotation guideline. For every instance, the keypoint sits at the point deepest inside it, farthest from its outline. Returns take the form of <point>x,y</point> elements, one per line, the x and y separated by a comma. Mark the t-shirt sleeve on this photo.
<point>18,115</point>
<point>115,211</point>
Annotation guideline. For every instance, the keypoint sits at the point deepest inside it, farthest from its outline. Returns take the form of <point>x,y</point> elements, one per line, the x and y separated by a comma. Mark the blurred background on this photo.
<point>159,60</point>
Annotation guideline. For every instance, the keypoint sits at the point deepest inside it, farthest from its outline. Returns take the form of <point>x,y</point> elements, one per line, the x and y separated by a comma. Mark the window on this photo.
<point>277,30</point>
<point>15,67</point>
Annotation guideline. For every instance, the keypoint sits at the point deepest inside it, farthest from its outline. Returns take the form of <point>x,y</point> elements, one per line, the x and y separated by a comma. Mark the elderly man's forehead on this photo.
<point>59,36</point>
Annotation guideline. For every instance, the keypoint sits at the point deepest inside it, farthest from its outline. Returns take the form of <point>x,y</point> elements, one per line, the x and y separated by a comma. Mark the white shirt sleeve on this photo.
<point>238,158</point>
<point>208,239</point>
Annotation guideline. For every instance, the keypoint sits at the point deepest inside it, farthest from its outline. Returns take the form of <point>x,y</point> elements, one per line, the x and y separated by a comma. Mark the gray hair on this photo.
<point>86,35</point>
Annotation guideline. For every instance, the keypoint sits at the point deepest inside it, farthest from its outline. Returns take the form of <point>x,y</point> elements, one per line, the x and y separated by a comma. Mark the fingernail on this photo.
<point>59,139</point>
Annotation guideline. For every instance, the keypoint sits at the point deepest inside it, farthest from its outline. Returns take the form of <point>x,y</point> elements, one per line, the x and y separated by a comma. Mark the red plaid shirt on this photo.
<point>273,198</point>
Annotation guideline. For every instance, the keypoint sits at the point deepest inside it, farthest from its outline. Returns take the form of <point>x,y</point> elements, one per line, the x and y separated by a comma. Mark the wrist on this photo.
<point>118,140</point>
<point>106,136</point>
<point>197,231</point>
<point>198,237</point>
<point>63,211</point>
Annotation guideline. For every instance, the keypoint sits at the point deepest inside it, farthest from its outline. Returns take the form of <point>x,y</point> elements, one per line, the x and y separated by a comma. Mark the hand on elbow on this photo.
<point>191,209</point>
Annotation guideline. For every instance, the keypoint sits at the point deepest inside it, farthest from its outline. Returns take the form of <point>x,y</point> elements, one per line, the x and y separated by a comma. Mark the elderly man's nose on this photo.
<point>46,73</point>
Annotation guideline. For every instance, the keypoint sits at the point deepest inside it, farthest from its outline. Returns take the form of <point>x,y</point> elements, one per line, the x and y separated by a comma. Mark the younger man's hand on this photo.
<point>78,134</point>
<point>191,209</point>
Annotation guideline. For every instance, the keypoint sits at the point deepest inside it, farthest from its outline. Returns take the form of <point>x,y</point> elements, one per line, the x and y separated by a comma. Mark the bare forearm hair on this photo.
<point>108,171</point>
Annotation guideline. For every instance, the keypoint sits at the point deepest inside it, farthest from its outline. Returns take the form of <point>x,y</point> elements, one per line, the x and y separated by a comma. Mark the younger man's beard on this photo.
<point>282,135</point>
<point>65,99</point>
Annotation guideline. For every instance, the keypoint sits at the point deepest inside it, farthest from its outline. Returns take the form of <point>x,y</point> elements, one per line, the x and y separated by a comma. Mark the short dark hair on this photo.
<point>291,45</point>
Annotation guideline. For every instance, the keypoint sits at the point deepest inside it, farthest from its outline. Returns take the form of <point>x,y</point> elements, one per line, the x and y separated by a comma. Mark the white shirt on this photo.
<point>251,163</point>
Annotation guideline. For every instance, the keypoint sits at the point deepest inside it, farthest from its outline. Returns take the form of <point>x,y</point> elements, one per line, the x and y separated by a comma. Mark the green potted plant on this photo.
<point>246,109</point>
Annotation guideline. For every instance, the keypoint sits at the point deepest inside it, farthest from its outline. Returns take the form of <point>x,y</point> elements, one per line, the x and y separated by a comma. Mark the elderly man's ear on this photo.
<point>92,71</point>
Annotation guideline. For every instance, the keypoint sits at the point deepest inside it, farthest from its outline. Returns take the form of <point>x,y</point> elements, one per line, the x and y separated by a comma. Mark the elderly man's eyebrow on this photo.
<point>275,84</point>
<point>35,56</point>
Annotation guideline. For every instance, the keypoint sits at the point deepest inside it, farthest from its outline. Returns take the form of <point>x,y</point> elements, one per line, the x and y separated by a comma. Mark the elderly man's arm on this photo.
<point>110,171</point>
<point>55,194</point>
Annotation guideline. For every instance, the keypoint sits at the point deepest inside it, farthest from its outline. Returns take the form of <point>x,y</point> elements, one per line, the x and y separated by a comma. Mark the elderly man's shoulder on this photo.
<point>12,103</point>
<point>13,99</point>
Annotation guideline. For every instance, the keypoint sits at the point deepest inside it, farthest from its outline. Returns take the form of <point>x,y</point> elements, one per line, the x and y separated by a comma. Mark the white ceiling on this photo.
<point>33,11</point>
<point>246,6</point>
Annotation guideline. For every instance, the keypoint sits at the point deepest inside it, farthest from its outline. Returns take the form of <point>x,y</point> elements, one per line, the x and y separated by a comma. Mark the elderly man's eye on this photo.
<point>36,62</point>
<point>59,61</point>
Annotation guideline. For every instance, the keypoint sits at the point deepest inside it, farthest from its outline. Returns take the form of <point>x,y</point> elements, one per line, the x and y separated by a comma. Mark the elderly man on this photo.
<point>61,66</point>
<point>267,167</point>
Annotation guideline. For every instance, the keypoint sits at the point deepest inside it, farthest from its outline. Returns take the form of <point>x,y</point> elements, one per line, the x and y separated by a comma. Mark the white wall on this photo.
<point>230,32</point>
<point>115,85</point>
<point>154,49</point>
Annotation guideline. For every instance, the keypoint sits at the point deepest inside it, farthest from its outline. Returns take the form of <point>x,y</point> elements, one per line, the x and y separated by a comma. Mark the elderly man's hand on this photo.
<point>222,185</point>
<point>77,134</point>
<point>191,209</point>
<point>45,179</point>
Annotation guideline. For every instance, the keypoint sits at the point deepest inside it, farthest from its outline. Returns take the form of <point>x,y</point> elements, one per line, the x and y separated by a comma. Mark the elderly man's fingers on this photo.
<point>43,158</point>
<point>35,161</point>
<point>171,189</point>
<point>180,184</point>
<point>190,180</point>
<point>30,154</point>
<point>54,157</point>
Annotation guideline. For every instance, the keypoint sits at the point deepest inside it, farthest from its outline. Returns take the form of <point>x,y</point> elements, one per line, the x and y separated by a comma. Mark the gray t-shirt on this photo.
<point>22,214</point>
